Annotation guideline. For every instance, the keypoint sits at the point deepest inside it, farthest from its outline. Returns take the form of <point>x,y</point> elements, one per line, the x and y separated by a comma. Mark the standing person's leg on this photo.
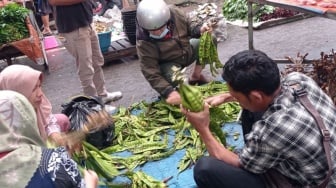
<point>97,63</point>
<point>211,172</point>
<point>45,9</point>
<point>78,43</point>
<point>54,16</point>
<point>46,28</point>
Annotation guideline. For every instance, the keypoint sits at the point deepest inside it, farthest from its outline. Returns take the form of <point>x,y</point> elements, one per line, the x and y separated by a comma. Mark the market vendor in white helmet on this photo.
<point>167,37</point>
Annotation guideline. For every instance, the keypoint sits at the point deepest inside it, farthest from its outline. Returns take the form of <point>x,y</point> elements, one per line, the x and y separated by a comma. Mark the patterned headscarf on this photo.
<point>20,140</point>
<point>23,79</point>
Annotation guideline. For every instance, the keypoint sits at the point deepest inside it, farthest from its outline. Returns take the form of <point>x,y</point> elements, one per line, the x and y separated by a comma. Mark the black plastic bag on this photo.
<point>77,110</point>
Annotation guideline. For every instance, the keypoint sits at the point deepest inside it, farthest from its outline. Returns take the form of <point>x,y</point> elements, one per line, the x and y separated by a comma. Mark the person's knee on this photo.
<point>211,172</point>
<point>202,169</point>
<point>202,165</point>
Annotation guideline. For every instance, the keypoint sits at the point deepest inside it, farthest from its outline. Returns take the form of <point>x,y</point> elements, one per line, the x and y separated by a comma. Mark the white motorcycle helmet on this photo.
<point>152,14</point>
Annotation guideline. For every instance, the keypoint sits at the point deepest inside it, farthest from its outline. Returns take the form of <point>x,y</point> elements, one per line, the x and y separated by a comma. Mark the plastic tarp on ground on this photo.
<point>168,167</point>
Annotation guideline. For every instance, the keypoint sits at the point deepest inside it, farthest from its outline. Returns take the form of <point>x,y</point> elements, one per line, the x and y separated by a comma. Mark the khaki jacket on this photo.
<point>177,49</point>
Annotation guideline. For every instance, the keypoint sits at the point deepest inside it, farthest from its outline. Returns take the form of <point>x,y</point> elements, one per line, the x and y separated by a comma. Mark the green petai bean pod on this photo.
<point>191,98</point>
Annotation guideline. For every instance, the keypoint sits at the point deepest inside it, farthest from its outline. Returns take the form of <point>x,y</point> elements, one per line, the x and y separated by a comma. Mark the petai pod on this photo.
<point>191,98</point>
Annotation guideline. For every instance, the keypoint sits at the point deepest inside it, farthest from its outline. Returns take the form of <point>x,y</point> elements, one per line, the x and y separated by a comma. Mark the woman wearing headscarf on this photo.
<point>24,159</point>
<point>28,82</point>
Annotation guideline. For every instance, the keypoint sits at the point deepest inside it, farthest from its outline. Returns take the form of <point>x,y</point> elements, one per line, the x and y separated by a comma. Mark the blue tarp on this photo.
<point>168,167</point>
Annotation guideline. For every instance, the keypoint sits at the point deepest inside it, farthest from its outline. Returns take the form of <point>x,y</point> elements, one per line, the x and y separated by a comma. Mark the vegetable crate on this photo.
<point>104,40</point>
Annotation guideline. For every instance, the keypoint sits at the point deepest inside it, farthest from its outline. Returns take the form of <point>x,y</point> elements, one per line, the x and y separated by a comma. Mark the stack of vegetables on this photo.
<point>237,10</point>
<point>13,23</point>
<point>151,131</point>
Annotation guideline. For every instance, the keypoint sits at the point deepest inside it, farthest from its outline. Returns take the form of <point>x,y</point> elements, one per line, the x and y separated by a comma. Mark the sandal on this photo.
<point>47,33</point>
<point>201,81</point>
<point>197,82</point>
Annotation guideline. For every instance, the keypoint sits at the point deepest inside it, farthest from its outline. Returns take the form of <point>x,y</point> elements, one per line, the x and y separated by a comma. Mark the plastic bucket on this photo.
<point>104,40</point>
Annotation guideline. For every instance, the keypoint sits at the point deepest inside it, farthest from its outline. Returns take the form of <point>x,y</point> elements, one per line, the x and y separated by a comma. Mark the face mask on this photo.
<point>163,34</point>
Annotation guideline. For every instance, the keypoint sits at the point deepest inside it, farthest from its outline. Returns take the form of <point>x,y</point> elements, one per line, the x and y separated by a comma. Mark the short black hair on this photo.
<point>251,70</point>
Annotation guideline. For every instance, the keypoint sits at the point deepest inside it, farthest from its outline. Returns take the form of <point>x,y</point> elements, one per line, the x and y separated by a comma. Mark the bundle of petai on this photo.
<point>208,53</point>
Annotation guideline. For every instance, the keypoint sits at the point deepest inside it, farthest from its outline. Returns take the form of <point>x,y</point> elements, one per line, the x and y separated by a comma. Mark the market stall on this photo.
<point>116,31</point>
<point>323,8</point>
<point>31,46</point>
<point>125,46</point>
<point>321,70</point>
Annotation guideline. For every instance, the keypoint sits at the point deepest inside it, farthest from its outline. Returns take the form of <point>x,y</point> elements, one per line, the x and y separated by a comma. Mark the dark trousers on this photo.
<point>213,173</point>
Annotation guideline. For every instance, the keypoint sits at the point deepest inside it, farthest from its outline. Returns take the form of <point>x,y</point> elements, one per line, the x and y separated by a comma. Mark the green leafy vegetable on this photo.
<point>237,10</point>
<point>12,23</point>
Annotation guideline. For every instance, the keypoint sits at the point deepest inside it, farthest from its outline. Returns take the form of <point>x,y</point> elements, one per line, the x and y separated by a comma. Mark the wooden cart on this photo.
<point>32,47</point>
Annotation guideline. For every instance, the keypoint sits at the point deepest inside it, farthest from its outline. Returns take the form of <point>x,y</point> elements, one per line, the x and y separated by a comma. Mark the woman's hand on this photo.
<point>90,178</point>
<point>174,98</point>
<point>73,141</point>
<point>57,139</point>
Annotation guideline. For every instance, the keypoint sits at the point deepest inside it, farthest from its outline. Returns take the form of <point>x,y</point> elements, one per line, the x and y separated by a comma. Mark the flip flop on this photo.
<point>201,81</point>
<point>197,82</point>
<point>47,33</point>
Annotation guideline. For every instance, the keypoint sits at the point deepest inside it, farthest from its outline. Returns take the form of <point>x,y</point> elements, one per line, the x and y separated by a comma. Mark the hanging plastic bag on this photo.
<point>77,109</point>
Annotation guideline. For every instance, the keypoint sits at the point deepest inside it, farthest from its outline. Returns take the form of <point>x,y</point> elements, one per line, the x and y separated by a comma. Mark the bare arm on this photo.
<point>200,122</point>
<point>90,178</point>
<point>64,2</point>
<point>220,99</point>
<point>217,150</point>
